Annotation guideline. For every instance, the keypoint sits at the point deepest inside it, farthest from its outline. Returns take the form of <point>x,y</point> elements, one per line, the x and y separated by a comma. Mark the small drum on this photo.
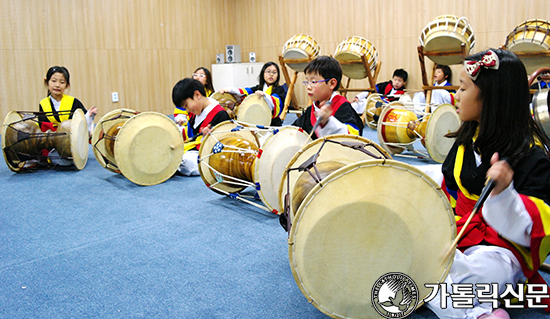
<point>447,33</point>
<point>146,148</point>
<point>374,106</point>
<point>231,159</point>
<point>330,153</point>
<point>540,111</point>
<point>254,110</point>
<point>358,225</point>
<point>351,50</point>
<point>22,139</point>
<point>399,128</point>
<point>530,36</point>
<point>300,47</point>
<point>228,101</point>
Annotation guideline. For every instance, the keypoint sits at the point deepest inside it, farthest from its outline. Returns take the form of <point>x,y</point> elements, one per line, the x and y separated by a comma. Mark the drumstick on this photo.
<point>317,121</point>
<point>484,194</point>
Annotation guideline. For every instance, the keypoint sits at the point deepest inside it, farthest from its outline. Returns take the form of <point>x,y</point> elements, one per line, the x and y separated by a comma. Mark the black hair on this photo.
<point>447,73</point>
<point>57,69</point>
<point>401,73</point>
<point>505,124</point>
<point>327,67</point>
<point>208,85</point>
<point>261,76</point>
<point>185,89</point>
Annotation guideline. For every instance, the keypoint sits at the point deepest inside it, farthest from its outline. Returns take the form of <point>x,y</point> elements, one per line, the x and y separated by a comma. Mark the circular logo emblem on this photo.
<point>394,295</point>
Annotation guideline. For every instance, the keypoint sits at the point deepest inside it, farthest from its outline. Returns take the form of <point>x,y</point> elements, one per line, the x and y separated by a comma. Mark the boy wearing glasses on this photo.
<point>204,113</point>
<point>332,110</point>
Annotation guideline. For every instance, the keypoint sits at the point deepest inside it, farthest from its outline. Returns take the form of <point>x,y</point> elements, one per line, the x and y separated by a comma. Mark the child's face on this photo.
<point>271,75</point>
<point>200,76</point>
<point>439,76</point>
<point>193,104</point>
<point>57,85</point>
<point>469,99</point>
<point>321,90</point>
<point>397,82</point>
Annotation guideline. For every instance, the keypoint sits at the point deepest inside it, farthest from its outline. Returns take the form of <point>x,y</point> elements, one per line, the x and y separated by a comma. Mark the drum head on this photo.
<point>442,121</point>
<point>445,42</point>
<point>330,152</point>
<point>275,153</point>
<point>360,226</point>
<point>254,110</point>
<point>149,148</point>
<point>112,119</point>
<point>14,165</point>
<point>79,139</point>
<point>211,178</point>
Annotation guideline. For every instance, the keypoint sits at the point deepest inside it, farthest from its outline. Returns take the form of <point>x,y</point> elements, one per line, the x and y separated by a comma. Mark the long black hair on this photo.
<point>261,76</point>
<point>505,124</point>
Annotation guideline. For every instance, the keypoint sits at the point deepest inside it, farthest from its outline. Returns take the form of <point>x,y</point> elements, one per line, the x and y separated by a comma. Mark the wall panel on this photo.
<point>141,48</point>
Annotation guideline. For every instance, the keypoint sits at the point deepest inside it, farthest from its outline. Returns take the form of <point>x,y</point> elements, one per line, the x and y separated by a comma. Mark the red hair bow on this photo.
<point>488,61</point>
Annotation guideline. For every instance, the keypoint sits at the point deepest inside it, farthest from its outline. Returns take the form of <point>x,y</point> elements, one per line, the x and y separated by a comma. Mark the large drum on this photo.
<point>351,50</point>
<point>146,148</point>
<point>359,225</point>
<point>530,36</point>
<point>446,34</point>
<point>318,159</point>
<point>22,140</point>
<point>540,110</point>
<point>373,108</point>
<point>254,110</point>
<point>300,47</point>
<point>235,156</point>
<point>399,128</point>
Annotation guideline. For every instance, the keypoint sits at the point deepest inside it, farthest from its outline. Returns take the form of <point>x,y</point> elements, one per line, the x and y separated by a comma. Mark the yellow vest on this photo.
<point>64,108</point>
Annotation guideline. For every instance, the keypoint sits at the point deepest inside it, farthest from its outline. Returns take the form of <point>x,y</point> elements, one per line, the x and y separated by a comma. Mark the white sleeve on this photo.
<point>89,121</point>
<point>269,101</point>
<point>362,95</point>
<point>507,214</point>
<point>333,126</point>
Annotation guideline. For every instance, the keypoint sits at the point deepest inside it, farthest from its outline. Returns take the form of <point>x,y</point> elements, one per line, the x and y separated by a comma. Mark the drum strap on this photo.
<point>311,164</point>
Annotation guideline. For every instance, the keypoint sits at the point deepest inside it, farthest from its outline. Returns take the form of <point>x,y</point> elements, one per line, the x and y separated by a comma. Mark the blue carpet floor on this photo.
<point>91,244</point>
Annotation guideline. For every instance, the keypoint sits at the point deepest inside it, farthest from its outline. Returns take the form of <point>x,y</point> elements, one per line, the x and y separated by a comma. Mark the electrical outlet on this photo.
<point>114,97</point>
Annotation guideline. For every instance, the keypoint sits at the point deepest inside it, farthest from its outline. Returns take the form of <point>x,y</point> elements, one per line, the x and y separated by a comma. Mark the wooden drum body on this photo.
<point>231,159</point>
<point>22,139</point>
<point>300,47</point>
<point>351,50</point>
<point>399,128</point>
<point>358,225</point>
<point>446,34</point>
<point>374,106</point>
<point>146,148</point>
<point>530,36</point>
<point>394,129</point>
